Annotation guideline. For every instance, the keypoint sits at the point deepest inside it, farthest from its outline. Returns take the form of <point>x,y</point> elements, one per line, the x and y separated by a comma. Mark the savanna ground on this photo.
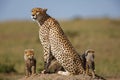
<point>102,35</point>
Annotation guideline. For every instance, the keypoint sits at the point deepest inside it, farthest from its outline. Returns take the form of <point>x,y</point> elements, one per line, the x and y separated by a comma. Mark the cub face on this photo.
<point>28,54</point>
<point>38,13</point>
<point>89,55</point>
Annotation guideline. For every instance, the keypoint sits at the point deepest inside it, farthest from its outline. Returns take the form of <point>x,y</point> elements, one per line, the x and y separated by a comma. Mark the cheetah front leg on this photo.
<point>27,71</point>
<point>33,70</point>
<point>47,59</point>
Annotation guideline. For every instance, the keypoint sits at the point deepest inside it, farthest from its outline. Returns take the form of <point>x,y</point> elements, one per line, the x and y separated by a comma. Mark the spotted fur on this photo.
<point>30,62</point>
<point>88,62</point>
<point>55,43</point>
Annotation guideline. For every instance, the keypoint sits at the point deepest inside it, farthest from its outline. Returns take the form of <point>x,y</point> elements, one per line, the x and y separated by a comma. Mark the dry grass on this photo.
<point>102,35</point>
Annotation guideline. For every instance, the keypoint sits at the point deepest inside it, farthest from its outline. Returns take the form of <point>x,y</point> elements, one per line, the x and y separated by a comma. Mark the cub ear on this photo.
<point>44,9</point>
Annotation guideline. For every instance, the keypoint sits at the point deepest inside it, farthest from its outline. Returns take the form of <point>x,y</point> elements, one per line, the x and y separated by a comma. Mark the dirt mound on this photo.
<point>58,77</point>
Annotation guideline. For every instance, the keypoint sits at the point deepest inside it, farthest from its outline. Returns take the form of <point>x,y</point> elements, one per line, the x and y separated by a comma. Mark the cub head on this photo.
<point>89,54</point>
<point>38,13</point>
<point>28,54</point>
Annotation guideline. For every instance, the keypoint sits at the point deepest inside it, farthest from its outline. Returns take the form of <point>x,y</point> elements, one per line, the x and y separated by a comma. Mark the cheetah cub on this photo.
<point>88,62</point>
<point>30,62</point>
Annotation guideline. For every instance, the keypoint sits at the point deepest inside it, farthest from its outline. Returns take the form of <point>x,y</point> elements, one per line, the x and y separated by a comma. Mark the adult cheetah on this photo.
<point>55,43</point>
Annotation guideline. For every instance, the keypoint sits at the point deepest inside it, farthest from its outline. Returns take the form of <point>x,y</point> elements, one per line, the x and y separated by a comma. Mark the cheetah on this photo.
<point>55,43</point>
<point>88,62</point>
<point>30,62</point>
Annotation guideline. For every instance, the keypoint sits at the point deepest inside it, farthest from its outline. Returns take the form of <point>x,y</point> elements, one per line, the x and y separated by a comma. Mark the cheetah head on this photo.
<point>28,54</point>
<point>89,51</point>
<point>89,54</point>
<point>38,13</point>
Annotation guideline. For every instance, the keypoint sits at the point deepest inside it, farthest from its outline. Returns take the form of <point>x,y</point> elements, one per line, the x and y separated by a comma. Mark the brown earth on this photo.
<point>58,77</point>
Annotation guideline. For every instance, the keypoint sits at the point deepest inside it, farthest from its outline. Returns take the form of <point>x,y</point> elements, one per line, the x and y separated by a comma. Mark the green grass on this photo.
<point>102,35</point>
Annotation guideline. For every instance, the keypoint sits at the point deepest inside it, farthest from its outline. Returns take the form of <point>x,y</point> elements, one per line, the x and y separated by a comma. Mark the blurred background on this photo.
<point>87,23</point>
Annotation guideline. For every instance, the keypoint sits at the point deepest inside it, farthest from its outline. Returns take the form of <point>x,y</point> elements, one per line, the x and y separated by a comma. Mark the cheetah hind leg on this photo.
<point>64,73</point>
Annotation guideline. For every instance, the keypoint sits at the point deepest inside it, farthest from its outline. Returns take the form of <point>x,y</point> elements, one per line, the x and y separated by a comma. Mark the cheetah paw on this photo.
<point>63,73</point>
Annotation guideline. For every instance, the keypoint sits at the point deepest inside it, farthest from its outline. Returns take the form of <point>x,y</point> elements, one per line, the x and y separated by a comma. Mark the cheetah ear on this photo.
<point>44,9</point>
<point>86,52</point>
